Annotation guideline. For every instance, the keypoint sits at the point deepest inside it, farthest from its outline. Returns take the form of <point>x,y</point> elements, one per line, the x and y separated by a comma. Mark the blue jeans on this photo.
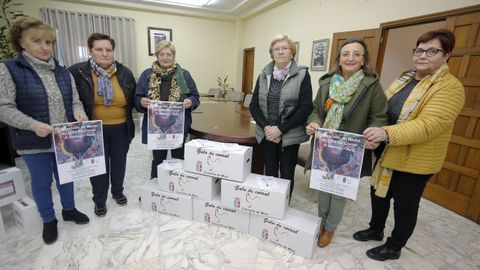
<point>42,168</point>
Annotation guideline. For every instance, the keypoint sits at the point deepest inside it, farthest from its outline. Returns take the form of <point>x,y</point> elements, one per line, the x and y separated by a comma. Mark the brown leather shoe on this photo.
<point>326,238</point>
<point>320,233</point>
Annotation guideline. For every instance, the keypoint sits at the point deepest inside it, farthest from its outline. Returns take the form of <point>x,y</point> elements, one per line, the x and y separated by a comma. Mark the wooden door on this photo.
<point>247,77</point>
<point>371,37</point>
<point>457,185</point>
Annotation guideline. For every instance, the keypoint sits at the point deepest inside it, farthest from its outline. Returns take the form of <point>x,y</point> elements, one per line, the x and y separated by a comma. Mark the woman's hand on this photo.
<point>371,145</point>
<point>272,133</point>
<point>311,128</point>
<point>375,134</point>
<point>187,103</point>
<point>145,102</point>
<point>81,117</point>
<point>42,129</point>
<point>277,140</point>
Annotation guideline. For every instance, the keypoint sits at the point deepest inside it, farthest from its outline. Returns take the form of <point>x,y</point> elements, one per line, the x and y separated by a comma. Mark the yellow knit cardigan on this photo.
<point>420,145</point>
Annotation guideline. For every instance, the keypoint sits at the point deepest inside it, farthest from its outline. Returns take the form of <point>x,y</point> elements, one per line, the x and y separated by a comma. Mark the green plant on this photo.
<point>8,14</point>
<point>224,86</point>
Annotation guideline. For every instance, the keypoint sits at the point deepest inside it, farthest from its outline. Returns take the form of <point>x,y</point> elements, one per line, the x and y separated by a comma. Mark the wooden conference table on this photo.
<point>228,122</point>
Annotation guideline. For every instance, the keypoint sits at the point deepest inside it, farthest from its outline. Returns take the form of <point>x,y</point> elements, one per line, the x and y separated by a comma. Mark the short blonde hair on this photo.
<point>165,44</point>
<point>281,37</point>
<point>21,25</point>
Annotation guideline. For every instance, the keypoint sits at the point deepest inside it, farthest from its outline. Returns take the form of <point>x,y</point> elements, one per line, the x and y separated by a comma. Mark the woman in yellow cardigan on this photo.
<point>423,105</point>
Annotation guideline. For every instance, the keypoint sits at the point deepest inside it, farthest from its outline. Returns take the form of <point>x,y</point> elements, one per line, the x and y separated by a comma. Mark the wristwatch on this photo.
<point>387,141</point>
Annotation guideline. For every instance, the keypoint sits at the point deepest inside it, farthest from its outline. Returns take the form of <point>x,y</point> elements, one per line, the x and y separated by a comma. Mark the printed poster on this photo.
<point>79,150</point>
<point>165,125</point>
<point>337,162</point>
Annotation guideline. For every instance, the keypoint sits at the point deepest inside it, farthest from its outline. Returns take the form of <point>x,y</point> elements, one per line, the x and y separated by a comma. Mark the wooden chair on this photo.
<point>215,92</point>
<point>234,96</point>
<point>303,153</point>
<point>247,100</point>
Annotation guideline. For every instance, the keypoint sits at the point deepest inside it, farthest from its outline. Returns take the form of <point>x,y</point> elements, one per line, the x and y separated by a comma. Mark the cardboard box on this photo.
<point>11,186</point>
<point>3,232</point>
<point>212,211</point>
<point>223,160</point>
<point>27,216</point>
<point>298,232</point>
<point>258,195</point>
<point>165,202</point>
<point>173,178</point>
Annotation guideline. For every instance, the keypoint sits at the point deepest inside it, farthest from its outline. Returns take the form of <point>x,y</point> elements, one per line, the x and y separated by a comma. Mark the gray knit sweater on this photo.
<point>10,115</point>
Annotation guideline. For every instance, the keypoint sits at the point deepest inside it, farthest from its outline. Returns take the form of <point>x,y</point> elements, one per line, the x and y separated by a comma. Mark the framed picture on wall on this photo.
<point>297,47</point>
<point>320,54</point>
<point>155,35</point>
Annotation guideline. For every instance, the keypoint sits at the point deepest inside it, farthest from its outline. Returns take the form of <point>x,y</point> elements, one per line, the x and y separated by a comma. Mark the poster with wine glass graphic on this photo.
<point>165,125</point>
<point>337,162</point>
<point>79,150</point>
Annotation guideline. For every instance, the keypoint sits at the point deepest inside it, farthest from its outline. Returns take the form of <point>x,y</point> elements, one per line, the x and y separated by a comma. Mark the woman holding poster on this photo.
<point>107,90</point>
<point>423,104</point>
<point>166,81</point>
<point>35,93</point>
<point>349,99</point>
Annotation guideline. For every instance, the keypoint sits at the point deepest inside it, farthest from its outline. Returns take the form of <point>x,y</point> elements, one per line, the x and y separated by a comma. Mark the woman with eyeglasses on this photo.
<point>281,102</point>
<point>423,105</point>
<point>349,99</point>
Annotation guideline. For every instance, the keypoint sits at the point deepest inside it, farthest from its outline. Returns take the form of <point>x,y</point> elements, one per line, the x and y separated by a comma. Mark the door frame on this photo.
<point>433,17</point>
<point>244,69</point>
<point>358,33</point>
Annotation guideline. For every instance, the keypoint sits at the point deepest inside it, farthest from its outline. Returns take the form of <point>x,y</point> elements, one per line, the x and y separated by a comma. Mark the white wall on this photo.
<point>212,48</point>
<point>308,20</point>
<point>204,47</point>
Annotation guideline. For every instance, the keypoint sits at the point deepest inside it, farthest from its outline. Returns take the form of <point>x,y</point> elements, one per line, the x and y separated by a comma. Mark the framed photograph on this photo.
<point>155,35</point>
<point>320,54</point>
<point>297,47</point>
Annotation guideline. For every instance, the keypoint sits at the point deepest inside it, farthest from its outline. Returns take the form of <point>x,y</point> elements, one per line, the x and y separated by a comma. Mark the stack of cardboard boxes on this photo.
<point>12,191</point>
<point>214,185</point>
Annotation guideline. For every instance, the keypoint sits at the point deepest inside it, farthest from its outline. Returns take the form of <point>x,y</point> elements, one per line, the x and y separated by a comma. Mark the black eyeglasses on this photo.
<point>430,51</point>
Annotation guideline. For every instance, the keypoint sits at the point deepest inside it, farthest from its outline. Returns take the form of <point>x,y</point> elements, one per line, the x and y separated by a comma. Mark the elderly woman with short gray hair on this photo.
<point>281,103</point>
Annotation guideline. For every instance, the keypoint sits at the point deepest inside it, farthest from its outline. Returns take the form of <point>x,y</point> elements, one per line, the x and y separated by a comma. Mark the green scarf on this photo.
<point>341,92</point>
<point>175,73</point>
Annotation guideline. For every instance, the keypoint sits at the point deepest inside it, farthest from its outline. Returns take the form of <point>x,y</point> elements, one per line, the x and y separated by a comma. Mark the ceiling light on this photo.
<point>195,3</point>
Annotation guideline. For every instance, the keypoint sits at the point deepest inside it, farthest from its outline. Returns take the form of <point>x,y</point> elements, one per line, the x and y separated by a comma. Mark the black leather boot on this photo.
<point>50,233</point>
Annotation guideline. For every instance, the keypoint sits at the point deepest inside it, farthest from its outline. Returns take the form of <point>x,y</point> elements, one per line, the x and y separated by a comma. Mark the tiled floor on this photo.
<point>129,238</point>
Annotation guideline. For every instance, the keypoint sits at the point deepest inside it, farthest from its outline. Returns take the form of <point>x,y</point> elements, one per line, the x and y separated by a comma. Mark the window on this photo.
<point>74,28</point>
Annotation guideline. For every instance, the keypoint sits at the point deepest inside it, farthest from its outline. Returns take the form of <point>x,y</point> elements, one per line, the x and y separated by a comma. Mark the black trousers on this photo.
<point>160,155</point>
<point>116,144</point>
<point>406,190</point>
<point>277,157</point>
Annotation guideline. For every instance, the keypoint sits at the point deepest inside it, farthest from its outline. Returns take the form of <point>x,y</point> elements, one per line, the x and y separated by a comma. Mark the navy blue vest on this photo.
<point>31,99</point>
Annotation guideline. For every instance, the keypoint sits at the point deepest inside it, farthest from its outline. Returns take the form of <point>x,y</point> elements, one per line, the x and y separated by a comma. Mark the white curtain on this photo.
<point>74,28</point>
